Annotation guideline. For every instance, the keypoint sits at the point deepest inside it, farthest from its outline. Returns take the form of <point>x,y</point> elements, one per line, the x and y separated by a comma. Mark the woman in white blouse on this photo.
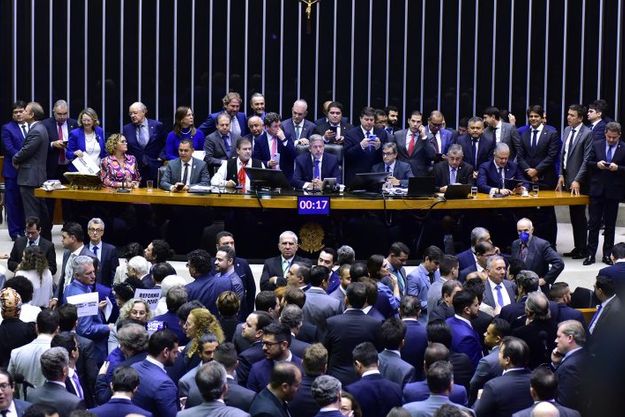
<point>34,267</point>
<point>86,140</point>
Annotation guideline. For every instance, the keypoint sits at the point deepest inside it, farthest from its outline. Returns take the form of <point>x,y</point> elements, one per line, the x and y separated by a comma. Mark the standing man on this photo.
<point>464,337</point>
<point>607,187</point>
<point>105,252</point>
<point>276,149</point>
<point>13,135</point>
<point>476,146</point>
<point>596,122</point>
<point>257,105</point>
<point>255,125</point>
<point>58,126</point>
<point>184,171</point>
<point>205,287</point>
<point>30,162</point>
<point>238,120</point>
<point>570,360</point>
<point>273,400</point>
<point>397,257</point>
<point>502,131</point>
<point>499,292</point>
<point>274,269</point>
<point>439,137</point>
<point>224,270</point>
<point>574,174</point>
<point>363,145</point>
<point>219,145</point>
<point>146,140</point>
<point>297,126</point>
<point>392,113</point>
<point>312,168</point>
<point>334,126</point>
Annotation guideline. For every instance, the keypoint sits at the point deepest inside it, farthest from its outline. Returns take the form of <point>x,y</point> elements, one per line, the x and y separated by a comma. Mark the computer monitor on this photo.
<point>267,178</point>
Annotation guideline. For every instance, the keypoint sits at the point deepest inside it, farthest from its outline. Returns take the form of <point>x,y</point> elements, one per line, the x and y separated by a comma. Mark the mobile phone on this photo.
<point>332,128</point>
<point>179,186</point>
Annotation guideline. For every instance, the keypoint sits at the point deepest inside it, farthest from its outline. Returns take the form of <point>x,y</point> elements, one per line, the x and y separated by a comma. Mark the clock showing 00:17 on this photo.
<point>313,205</point>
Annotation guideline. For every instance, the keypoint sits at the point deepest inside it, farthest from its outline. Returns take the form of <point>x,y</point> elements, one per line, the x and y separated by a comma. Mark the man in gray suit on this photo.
<point>488,367</point>
<point>219,145</point>
<point>212,383</point>
<point>440,380</point>
<point>30,162</point>
<point>498,292</point>
<point>398,171</point>
<point>319,306</point>
<point>187,386</point>
<point>502,131</point>
<point>184,171</point>
<point>576,147</point>
<point>392,366</point>
<point>54,366</point>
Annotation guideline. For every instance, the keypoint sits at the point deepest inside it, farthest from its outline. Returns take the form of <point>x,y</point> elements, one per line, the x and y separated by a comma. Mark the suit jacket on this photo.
<point>489,298</point>
<point>465,259</point>
<point>238,396</point>
<point>25,360</point>
<point>286,149</point>
<point>215,149</point>
<point>173,173</point>
<point>109,261</point>
<point>542,157</point>
<point>289,128</point>
<point>448,137</point>
<point>119,407</point>
<point>598,132</point>
<point>188,388</point>
<point>209,125</point>
<point>319,306</point>
<point>31,158</point>
<point>266,404</point>
<point>617,273</point>
<point>157,393</point>
<point>13,334</point>
<point>402,171</point>
<point>605,183</point>
<point>376,395</point>
<point>358,160</point>
<point>577,157</point>
<point>419,391</point>
<point>395,369</point>
<point>572,372</point>
<point>415,343</point>
<point>487,369</point>
<point>304,169</point>
<point>505,395</point>
<point>56,396</point>
<point>21,406</point>
<point>247,358</point>
<point>304,403</point>
<point>53,135</point>
<point>539,336</point>
<point>541,258</point>
<point>20,244</point>
<point>564,411</point>
<point>428,407</point>
<point>611,312</point>
<point>87,367</point>
<point>322,125</point>
<point>12,141</point>
<point>260,374</point>
<point>148,157</point>
<point>422,155</point>
<point>206,289</point>
<point>485,148</point>
<point>76,141</point>
<point>213,409</point>
<point>344,332</point>
<point>509,136</point>
<point>464,339</point>
<point>489,177</point>
<point>273,267</point>
<point>60,288</point>
<point>464,174</point>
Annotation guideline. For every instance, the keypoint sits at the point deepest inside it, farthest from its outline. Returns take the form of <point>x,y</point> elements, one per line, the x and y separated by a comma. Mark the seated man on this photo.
<point>312,168</point>
<point>453,170</point>
<point>399,171</point>
<point>501,176</point>
<point>232,173</point>
<point>195,172</point>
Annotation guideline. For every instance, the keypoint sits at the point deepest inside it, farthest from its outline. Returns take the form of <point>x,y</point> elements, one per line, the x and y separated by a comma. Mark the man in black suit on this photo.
<point>509,393</point>
<point>560,293</point>
<point>476,146</point>
<point>488,367</point>
<point>252,331</point>
<point>539,329</point>
<point>273,400</point>
<point>73,383</point>
<point>416,338</point>
<point>334,126</point>
<point>105,252</point>
<point>311,168</point>
<point>274,269</point>
<point>570,361</point>
<point>237,395</point>
<point>399,172</point>
<point>607,188</point>
<point>413,145</point>
<point>501,132</point>
<point>219,145</point>
<point>275,148</point>
<point>544,388</point>
<point>146,140</point>
<point>347,330</point>
<point>176,179</point>
<point>297,126</point>
<point>58,126</point>
<point>453,170</point>
<point>596,121</point>
<point>30,162</point>
<point>363,146</point>
<point>438,331</point>
<point>314,364</point>
<point>32,238</point>
<point>617,270</point>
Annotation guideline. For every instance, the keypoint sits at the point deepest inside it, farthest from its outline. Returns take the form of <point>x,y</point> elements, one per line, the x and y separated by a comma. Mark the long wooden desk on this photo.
<point>347,202</point>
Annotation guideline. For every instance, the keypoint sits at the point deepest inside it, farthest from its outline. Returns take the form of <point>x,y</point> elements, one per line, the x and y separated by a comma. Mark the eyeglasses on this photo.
<point>267,343</point>
<point>5,386</point>
<point>93,229</point>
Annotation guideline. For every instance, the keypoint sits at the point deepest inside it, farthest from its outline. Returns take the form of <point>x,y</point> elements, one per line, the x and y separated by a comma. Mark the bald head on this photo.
<point>545,409</point>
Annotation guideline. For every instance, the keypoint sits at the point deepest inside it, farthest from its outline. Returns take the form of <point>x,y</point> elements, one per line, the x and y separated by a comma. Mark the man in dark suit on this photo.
<point>616,271</point>
<point>453,170</point>
<point>488,367</point>
<point>375,394</point>
<point>237,395</point>
<point>319,306</point>
<point>297,126</point>
<point>413,146</point>
<point>7,402</point>
<point>363,146</point>
<point>398,171</point>
<point>157,392</point>
<point>32,238</point>
<point>464,338</point>
<point>256,129</point>
<point>439,137</point>
<point>187,385</point>
<point>238,121</point>
<point>30,162</point>
<point>438,331</point>
<point>54,362</point>
<point>514,313</point>
<point>345,331</point>
<point>539,329</point>
<point>283,385</point>
<point>13,135</point>
<point>58,126</point>
<point>596,121</point>
<point>544,388</point>
<point>252,331</point>
<point>232,172</point>
<point>312,168</point>
<point>500,131</point>
<point>195,172</point>
<point>72,236</point>
<point>467,257</point>
<point>274,148</point>
<point>334,126</point>
<point>498,292</point>
<point>125,383</point>
<point>606,164</point>
<point>537,254</point>
<point>219,145</point>
<point>608,312</point>
<point>570,360</point>
<point>500,175</point>
<point>326,391</point>
<point>574,170</point>
<point>392,366</point>
<point>314,364</point>
<point>105,252</point>
<point>146,141</point>
<point>476,146</point>
<point>415,340</point>
<point>509,393</point>
<point>274,269</point>
<point>560,293</point>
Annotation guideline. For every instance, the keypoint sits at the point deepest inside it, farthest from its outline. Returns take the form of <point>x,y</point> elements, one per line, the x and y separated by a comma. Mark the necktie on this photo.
<point>400,280</point>
<point>185,175</point>
<point>610,153</point>
<point>316,170</point>
<point>226,139</point>
<point>76,381</point>
<point>435,143</point>
<point>61,151</point>
<point>25,129</point>
<point>141,136</point>
<point>534,138</point>
<point>474,149</point>
<point>274,146</point>
<point>31,242</point>
<point>285,267</point>
<point>241,175</point>
<point>431,275</point>
<point>570,143</point>
<point>388,169</point>
<point>95,251</point>
<point>593,322</point>
<point>495,133</point>
<point>4,413</point>
<point>298,131</point>
<point>452,176</point>
<point>523,252</point>
<point>411,145</point>
<point>389,130</point>
<point>502,176</point>
<point>499,295</point>
<point>68,269</point>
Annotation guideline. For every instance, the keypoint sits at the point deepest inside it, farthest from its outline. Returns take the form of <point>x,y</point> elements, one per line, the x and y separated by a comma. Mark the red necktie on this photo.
<point>61,151</point>
<point>241,174</point>
<point>411,144</point>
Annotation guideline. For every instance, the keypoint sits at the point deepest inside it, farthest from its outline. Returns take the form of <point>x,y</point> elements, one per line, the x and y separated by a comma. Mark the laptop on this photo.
<point>457,191</point>
<point>421,187</point>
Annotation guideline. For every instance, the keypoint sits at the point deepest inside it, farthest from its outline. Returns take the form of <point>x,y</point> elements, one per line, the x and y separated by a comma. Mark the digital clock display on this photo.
<point>313,205</point>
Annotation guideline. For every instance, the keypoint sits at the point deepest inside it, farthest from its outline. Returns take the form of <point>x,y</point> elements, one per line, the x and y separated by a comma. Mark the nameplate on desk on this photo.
<point>313,205</point>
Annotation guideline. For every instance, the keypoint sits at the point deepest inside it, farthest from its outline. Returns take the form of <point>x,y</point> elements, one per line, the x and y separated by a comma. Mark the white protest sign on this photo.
<point>150,296</point>
<point>86,304</point>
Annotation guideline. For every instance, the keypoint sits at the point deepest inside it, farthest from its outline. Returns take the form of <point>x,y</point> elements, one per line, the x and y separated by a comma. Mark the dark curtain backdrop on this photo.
<point>459,56</point>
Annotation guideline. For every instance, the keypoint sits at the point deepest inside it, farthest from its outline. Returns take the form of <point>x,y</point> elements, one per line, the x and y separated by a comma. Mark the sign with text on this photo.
<point>150,296</point>
<point>86,304</point>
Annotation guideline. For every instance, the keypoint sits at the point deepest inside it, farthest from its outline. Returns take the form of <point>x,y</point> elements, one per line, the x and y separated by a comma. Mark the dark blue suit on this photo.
<point>266,404</point>
<point>52,164</point>
<point>358,160</point>
<point>148,157</point>
<point>76,142</point>
<point>109,261</point>
<point>489,177</point>
<point>571,374</point>
<point>170,321</point>
<point>260,374</point>
<point>505,395</point>
<point>207,288</point>
<point>304,169</point>
<point>414,346</point>
<point>598,132</point>
<point>157,393</point>
<point>464,339</point>
<point>447,138</point>
<point>485,148</point>
<point>209,125</point>
<point>12,141</point>
<point>119,407</point>
<point>617,273</point>
<point>542,156</point>
<point>333,413</point>
<point>289,128</point>
<point>402,171</point>
<point>465,259</point>
<point>21,406</point>
<point>376,395</point>
<point>419,391</point>
<point>262,151</point>
<point>304,403</point>
<point>247,359</point>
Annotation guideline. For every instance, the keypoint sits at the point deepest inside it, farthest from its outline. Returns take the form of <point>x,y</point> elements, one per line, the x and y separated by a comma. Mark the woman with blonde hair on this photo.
<point>134,309</point>
<point>86,140</point>
<point>34,267</point>
<point>119,169</point>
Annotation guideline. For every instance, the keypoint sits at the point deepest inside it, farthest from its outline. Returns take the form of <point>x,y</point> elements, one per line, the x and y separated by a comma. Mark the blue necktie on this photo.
<point>499,295</point>
<point>593,322</point>
<point>316,170</point>
<point>501,174</point>
<point>610,153</point>
<point>452,176</point>
<point>226,139</point>
<point>474,151</point>
<point>388,169</point>
<point>534,138</point>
